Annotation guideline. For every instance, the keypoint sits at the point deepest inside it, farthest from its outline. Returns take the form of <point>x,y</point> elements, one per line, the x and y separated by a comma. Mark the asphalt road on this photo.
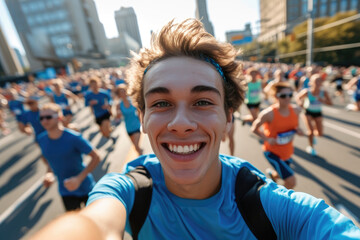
<point>333,175</point>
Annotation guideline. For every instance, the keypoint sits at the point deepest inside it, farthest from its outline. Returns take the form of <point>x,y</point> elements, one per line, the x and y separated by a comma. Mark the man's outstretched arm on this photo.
<point>103,219</point>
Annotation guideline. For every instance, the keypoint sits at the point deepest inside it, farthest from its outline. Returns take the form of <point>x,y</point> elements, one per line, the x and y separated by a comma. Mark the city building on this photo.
<point>9,64</point>
<point>22,59</point>
<point>126,22</point>
<point>56,31</point>
<point>120,48</point>
<point>240,37</point>
<point>202,14</point>
<point>279,17</point>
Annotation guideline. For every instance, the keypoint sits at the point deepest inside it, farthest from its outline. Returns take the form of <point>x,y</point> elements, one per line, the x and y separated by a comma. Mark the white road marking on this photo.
<point>20,200</point>
<point>341,129</point>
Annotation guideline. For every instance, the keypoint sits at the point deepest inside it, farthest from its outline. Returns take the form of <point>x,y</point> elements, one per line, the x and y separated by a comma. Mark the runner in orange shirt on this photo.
<point>279,125</point>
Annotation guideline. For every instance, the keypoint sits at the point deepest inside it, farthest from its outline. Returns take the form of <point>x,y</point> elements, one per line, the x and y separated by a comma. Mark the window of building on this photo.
<point>343,5</point>
<point>333,6</point>
<point>323,8</point>
<point>25,8</point>
<point>354,4</point>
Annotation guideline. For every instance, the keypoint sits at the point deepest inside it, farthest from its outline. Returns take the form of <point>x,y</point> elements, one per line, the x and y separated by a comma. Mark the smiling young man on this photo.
<point>186,88</point>
<point>63,149</point>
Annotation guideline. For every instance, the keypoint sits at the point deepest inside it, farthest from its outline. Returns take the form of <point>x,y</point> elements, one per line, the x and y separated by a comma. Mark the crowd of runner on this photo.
<point>276,94</point>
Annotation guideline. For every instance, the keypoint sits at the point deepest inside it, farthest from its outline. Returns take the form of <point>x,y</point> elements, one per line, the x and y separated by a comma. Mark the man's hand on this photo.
<point>49,179</point>
<point>106,106</point>
<point>72,183</point>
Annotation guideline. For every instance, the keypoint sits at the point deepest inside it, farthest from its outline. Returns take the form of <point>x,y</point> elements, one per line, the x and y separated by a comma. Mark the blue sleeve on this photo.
<point>83,145</point>
<point>297,215</point>
<point>114,185</point>
<point>109,98</point>
<point>87,99</point>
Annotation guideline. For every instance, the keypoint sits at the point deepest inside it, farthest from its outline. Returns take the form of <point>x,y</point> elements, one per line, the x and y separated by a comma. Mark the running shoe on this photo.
<point>311,150</point>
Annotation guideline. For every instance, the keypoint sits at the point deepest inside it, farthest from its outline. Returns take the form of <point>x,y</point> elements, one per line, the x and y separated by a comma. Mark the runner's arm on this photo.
<point>300,96</point>
<point>263,117</point>
<point>74,182</point>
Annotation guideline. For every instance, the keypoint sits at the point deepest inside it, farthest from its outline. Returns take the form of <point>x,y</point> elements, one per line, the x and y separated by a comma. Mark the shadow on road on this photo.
<point>102,168</point>
<point>341,142</point>
<point>341,121</point>
<point>16,141</point>
<point>344,174</point>
<point>24,216</point>
<point>334,197</point>
<point>25,173</point>
<point>16,157</point>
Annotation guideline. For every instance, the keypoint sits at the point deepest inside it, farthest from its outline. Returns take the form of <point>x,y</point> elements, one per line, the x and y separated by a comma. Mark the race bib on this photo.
<point>285,137</point>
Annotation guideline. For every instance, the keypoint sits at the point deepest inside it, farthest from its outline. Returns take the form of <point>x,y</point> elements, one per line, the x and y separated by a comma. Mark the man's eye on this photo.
<point>203,103</point>
<point>161,104</point>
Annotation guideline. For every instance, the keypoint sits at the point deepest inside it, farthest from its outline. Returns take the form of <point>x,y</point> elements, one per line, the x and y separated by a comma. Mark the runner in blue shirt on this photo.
<point>16,106</point>
<point>100,102</point>
<point>129,112</point>
<point>61,97</point>
<point>186,88</point>
<point>63,150</point>
<point>31,117</point>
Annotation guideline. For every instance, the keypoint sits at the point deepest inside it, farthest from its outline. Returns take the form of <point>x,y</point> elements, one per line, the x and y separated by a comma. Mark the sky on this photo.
<point>225,15</point>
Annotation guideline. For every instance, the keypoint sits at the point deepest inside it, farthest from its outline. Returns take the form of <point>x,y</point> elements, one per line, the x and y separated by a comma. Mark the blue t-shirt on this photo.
<point>61,100</point>
<point>293,215</point>
<point>132,121</point>
<point>17,108</point>
<point>102,98</point>
<point>34,119</point>
<point>65,158</point>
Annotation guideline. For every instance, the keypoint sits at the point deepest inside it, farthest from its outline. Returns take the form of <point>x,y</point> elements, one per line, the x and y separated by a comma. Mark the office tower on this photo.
<point>9,64</point>
<point>55,31</point>
<point>202,14</point>
<point>126,22</point>
<point>278,17</point>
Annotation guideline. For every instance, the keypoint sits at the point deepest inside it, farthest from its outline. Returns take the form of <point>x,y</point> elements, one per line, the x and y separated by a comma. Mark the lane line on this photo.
<point>10,210</point>
<point>341,129</point>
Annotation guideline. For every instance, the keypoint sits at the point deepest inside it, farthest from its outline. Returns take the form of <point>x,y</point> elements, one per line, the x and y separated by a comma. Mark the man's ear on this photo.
<point>141,116</point>
<point>229,119</point>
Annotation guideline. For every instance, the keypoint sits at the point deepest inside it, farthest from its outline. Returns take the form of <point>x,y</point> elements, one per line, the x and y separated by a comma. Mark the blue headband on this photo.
<point>203,57</point>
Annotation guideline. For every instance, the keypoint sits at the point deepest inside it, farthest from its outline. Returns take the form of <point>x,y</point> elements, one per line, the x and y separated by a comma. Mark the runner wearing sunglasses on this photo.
<point>279,124</point>
<point>62,149</point>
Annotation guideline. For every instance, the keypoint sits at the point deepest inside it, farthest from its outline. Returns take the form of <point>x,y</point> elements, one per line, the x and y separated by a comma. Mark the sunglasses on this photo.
<point>48,117</point>
<point>284,95</point>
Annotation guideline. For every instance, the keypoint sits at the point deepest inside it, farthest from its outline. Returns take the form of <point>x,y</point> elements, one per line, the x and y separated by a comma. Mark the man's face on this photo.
<point>49,119</point>
<point>185,118</point>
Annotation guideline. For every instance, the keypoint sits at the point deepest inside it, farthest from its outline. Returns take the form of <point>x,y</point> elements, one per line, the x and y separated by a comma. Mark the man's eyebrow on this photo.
<point>204,88</point>
<point>157,90</point>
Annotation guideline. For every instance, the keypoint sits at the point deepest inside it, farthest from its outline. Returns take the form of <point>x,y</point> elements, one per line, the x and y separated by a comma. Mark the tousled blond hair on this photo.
<point>187,38</point>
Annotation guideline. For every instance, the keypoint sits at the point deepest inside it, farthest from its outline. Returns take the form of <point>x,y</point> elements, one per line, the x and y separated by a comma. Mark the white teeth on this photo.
<point>184,149</point>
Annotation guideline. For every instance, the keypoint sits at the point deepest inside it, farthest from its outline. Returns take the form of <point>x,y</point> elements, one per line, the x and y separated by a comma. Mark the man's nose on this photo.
<point>182,120</point>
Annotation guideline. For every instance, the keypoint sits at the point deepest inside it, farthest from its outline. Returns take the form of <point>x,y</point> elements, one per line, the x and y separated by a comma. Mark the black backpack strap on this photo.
<point>247,197</point>
<point>143,191</point>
